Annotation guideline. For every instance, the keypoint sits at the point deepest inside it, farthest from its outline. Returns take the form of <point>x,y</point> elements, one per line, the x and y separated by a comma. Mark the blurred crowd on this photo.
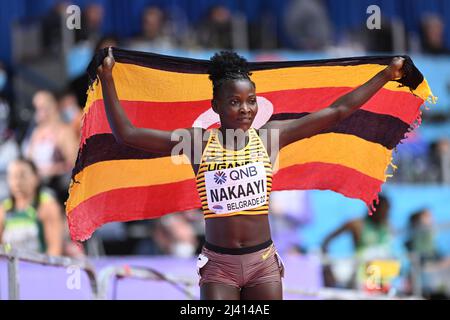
<point>305,25</point>
<point>377,260</point>
<point>37,154</point>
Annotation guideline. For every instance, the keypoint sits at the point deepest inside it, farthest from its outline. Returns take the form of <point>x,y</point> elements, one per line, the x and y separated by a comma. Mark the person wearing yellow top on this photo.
<point>239,260</point>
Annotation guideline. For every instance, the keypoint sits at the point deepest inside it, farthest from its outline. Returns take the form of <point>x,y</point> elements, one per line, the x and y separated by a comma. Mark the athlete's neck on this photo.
<point>233,139</point>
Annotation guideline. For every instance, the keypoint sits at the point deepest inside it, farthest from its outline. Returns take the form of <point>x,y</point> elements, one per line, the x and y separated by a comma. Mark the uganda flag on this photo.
<point>114,182</point>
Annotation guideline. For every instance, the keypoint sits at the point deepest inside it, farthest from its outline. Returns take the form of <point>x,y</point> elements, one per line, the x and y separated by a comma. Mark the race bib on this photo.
<point>236,189</point>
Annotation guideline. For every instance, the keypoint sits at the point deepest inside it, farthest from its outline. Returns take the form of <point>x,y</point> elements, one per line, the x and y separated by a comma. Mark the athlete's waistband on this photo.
<point>238,251</point>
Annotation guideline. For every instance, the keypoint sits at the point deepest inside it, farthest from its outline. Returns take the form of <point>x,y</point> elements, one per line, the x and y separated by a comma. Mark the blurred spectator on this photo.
<point>181,28</point>
<point>91,24</point>
<point>79,85</point>
<point>307,25</point>
<point>368,233</point>
<point>434,266</point>
<point>52,146</point>
<point>439,161</point>
<point>155,30</point>
<point>51,27</point>
<point>175,236</point>
<point>9,148</point>
<point>379,40</point>
<point>421,236</point>
<point>215,31</point>
<point>71,112</point>
<point>262,32</point>
<point>30,219</point>
<point>372,239</point>
<point>432,35</point>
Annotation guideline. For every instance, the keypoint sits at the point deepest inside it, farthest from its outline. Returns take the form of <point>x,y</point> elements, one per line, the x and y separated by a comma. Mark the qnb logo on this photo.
<point>210,119</point>
<point>220,177</point>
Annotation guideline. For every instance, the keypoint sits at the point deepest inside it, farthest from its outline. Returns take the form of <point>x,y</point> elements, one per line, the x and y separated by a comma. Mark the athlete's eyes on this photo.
<point>234,102</point>
<point>252,101</point>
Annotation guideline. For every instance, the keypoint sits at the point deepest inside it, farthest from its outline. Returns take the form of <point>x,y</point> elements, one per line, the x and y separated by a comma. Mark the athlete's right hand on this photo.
<point>105,69</point>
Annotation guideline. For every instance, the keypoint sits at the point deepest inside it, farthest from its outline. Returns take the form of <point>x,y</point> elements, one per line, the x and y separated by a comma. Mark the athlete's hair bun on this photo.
<point>227,65</point>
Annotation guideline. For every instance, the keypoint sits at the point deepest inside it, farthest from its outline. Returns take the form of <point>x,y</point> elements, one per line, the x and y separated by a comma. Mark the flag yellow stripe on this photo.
<point>137,83</point>
<point>347,150</point>
<point>103,176</point>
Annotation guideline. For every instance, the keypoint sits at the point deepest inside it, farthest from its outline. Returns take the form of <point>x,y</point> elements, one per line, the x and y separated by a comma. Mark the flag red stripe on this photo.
<point>173,115</point>
<point>324,176</point>
<point>129,204</point>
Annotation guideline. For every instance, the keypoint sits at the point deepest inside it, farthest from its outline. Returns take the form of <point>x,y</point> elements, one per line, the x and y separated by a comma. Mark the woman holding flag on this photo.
<point>234,175</point>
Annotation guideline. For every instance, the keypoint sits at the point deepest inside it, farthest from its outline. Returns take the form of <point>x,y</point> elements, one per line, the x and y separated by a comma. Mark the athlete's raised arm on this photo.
<point>314,123</point>
<point>124,131</point>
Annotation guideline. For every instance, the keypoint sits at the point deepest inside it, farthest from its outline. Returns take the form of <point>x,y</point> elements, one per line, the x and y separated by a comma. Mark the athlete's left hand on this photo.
<point>395,69</point>
<point>105,69</point>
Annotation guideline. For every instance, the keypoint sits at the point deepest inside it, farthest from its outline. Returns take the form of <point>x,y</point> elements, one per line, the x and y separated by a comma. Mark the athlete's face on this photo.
<point>236,104</point>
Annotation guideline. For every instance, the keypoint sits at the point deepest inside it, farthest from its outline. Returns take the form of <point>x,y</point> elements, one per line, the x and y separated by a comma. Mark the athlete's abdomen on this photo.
<point>238,231</point>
